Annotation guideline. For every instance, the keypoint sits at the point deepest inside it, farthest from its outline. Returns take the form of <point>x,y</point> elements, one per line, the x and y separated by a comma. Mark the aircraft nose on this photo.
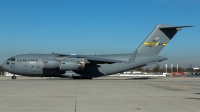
<point>4,65</point>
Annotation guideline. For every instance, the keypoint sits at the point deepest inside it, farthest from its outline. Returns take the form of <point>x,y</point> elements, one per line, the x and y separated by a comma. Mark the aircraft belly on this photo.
<point>53,72</point>
<point>90,71</point>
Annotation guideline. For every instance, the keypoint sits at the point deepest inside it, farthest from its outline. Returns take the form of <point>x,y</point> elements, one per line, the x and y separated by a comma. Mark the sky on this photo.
<point>97,27</point>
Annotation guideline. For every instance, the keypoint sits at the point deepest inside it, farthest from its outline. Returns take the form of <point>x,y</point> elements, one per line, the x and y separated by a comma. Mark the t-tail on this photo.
<point>157,40</point>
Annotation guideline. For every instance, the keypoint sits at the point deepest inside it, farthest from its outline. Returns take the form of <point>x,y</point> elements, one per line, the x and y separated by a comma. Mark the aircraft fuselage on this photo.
<point>35,65</point>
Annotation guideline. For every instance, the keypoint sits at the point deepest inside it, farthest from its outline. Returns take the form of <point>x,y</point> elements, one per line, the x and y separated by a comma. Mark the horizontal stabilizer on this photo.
<point>170,27</point>
<point>178,28</point>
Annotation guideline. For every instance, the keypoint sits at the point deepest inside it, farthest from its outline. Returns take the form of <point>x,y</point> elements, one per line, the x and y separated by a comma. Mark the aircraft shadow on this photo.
<point>58,78</point>
<point>140,78</point>
<point>135,78</point>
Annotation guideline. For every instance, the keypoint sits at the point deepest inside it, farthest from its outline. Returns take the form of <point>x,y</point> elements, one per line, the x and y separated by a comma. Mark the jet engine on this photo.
<point>66,65</point>
<point>51,63</point>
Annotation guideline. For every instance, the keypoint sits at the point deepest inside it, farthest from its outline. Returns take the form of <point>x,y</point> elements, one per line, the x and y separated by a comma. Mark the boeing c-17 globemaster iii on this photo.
<point>91,66</point>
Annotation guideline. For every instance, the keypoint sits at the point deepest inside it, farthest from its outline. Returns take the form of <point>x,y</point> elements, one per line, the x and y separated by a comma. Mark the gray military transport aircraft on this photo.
<point>91,66</point>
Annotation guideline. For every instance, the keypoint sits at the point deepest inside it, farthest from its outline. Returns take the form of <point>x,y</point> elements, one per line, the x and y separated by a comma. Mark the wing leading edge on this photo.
<point>92,60</point>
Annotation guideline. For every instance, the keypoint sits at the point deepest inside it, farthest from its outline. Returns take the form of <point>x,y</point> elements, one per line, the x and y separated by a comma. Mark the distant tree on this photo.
<point>147,70</point>
<point>174,69</point>
<point>139,69</point>
<point>156,68</point>
<point>185,70</point>
<point>180,69</point>
<point>162,69</point>
<point>1,69</point>
<point>168,70</point>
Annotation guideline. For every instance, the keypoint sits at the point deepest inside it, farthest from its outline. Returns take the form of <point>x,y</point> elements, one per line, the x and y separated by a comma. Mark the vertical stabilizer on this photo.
<point>133,56</point>
<point>158,38</point>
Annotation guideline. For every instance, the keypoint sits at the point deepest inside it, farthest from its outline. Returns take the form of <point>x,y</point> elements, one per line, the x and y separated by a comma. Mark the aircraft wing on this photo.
<point>93,60</point>
<point>101,60</point>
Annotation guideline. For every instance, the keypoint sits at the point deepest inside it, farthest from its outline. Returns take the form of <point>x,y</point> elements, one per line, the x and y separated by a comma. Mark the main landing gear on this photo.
<point>14,77</point>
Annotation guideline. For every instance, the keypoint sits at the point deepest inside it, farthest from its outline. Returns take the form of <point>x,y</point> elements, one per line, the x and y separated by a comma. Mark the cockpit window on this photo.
<point>11,59</point>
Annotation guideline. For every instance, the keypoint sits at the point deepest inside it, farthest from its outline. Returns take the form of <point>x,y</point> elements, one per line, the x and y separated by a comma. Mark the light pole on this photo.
<point>171,68</point>
<point>193,68</point>
<point>177,68</point>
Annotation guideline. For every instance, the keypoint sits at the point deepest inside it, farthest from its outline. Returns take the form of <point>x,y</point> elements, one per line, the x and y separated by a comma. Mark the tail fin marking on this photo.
<point>158,38</point>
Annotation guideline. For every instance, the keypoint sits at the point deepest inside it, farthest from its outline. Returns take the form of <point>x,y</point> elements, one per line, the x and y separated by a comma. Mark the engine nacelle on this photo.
<point>51,64</point>
<point>66,65</point>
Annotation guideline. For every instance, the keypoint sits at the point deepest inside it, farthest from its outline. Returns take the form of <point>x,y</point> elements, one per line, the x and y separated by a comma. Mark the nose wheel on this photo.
<point>14,77</point>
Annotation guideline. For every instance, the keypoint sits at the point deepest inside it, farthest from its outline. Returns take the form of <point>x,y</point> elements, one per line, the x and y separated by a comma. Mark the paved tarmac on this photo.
<point>105,94</point>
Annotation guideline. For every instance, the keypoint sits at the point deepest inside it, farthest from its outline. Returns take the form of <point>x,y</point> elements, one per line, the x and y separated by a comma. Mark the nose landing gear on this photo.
<point>14,77</point>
